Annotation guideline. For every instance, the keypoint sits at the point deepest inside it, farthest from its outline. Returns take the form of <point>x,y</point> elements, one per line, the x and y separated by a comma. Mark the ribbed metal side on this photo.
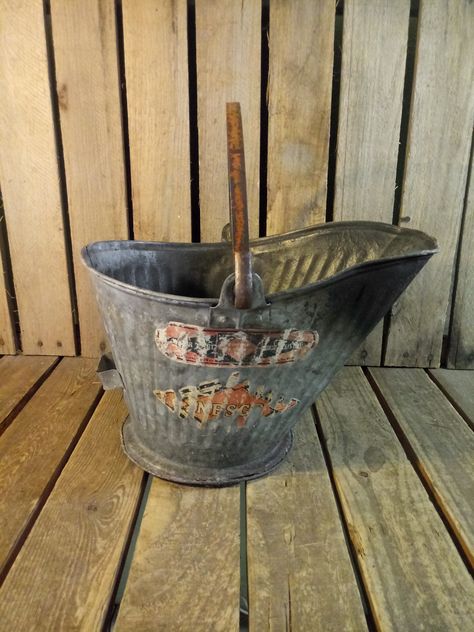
<point>342,310</point>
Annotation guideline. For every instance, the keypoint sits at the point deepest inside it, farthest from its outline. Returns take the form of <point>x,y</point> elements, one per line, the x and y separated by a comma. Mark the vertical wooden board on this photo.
<point>459,385</point>
<point>441,440</point>
<point>412,572</point>
<point>18,374</point>
<point>298,562</point>
<point>461,338</point>
<point>156,68</point>
<point>7,338</point>
<point>185,571</point>
<point>228,69</point>
<point>65,573</point>
<point>299,109</point>
<point>439,139</point>
<point>374,53</point>
<point>30,182</point>
<point>85,51</point>
<point>33,448</point>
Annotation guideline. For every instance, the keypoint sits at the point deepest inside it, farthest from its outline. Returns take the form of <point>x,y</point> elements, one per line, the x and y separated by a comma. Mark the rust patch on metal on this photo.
<point>211,400</point>
<point>202,346</point>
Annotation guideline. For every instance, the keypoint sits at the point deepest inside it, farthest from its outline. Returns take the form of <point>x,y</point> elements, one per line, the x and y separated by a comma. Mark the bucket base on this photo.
<point>202,476</point>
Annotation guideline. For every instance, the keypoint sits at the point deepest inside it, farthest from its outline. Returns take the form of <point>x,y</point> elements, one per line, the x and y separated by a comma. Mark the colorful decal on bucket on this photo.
<point>203,346</point>
<point>211,400</point>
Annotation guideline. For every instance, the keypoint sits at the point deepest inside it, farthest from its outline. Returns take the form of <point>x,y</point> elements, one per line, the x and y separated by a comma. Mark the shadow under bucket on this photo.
<point>213,391</point>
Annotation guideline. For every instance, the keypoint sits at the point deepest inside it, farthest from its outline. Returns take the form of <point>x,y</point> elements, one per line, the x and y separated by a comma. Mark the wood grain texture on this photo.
<point>33,447</point>
<point>439,140</point>
<point>156,68</point>
<point>442,441</point>
<point>18,374</point>
<point>228,69</point>
<point>85,50</point>
<point>461,338</point>
<point>30,183</point>
<point>7,336</point>
<point>459,385</point>
<point>374,50</point>
<point>413,575</point>
<point>65,573</point>
<point>300,574</point>
<point>299,109</point>
<point>185,571</point>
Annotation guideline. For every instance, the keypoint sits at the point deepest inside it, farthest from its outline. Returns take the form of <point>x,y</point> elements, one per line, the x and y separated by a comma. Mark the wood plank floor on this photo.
<point>368,525</point>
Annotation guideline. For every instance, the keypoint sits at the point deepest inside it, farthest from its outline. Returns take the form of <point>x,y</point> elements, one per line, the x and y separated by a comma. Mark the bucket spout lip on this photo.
<point>431,244</point>
<point>424,246</point>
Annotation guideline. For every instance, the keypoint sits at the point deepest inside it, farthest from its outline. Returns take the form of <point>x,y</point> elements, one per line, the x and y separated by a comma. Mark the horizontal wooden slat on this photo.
<point>442,442</point>
<point>461,338</point>
<point>34,446</point>
<point>301,42</point>
<point>65,573</point>
<point>185,571</point>
<point>18,374</point>
<point>460,387</point>
<point>228,69</point>
<point>29,179</point>
<point>374,52</point>
<point>439,141</point>
<point>413,575</point>
<point>85,52</point>
<point>300,574</point>
<point>156,68</point>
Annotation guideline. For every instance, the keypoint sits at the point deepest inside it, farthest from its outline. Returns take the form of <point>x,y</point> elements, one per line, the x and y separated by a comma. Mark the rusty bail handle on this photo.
<point>238,208</point>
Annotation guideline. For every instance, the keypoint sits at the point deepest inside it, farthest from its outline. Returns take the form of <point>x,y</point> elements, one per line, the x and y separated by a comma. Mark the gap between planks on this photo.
<point>65,574</point>
<point>432,434</point>
<point>31,463</point>
<point>412,572</point>
<point>20,378</point>
<point>458,388</point>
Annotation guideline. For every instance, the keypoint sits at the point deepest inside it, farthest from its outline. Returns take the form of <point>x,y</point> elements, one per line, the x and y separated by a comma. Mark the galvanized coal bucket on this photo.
<point>219,352</point>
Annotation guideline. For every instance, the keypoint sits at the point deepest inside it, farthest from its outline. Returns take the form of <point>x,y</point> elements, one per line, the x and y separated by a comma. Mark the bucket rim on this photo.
<point>256,245</point>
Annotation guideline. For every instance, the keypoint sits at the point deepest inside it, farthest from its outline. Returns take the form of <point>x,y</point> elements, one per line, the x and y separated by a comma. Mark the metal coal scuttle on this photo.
<point>220,350</point>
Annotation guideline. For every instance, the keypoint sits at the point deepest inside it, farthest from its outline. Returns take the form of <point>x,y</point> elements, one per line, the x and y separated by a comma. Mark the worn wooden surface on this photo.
<point>33,447</point>
<point>342,536</point>
<point>296,547</point>
<point>156,70</point>
<point>459,385</point>
<point>435,173</point>
<point>29,179</point>
<point>461,339</point>
<point>7,338</point>
<point>299,108</point>
<point>87,84</point>
<point>228,69</point>
<point>442,441</point>
<point>185,571</point>
<point>374,50</point>
<point>92,506</point>
<point>19,374</point>
<point>414,578</point>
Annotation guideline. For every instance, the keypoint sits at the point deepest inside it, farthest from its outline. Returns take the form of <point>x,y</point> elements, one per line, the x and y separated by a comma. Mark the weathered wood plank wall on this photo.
<point>84,36</point>
<point>29,180</point>
<point>374,50</point>
<point>112,125</point>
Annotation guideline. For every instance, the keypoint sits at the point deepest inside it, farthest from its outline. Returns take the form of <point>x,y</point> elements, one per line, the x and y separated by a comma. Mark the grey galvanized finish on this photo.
<point>338,279</point>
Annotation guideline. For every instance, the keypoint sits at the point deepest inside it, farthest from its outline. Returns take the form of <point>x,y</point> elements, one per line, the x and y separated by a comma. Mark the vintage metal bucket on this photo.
<point>213,390</point>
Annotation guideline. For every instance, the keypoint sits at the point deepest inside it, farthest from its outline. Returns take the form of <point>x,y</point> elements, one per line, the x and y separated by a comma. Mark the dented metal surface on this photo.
<point>213,391</point>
